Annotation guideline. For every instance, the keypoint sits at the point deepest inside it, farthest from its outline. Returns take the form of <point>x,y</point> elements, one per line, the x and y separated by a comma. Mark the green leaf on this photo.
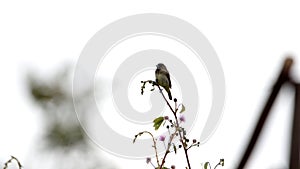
<point>157,122</point>
<point>182,109</point>
<point>206,165</point>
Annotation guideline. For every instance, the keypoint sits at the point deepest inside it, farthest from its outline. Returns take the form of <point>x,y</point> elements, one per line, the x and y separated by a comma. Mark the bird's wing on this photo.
<point>156,75</point>
<point>168,76</point>
<point>165,72</point>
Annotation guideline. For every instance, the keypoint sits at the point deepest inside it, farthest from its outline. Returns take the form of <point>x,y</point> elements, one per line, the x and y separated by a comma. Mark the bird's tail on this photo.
<point>169,94</point>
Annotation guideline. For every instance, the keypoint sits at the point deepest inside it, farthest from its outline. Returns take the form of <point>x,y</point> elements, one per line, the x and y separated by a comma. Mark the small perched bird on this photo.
<point>163,78</point>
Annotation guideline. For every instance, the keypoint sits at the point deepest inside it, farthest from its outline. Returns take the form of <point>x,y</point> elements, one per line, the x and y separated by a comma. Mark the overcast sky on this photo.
<point>251,40</point>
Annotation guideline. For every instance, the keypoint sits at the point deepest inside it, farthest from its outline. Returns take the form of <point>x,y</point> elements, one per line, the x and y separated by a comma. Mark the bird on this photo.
<point>163,78</point>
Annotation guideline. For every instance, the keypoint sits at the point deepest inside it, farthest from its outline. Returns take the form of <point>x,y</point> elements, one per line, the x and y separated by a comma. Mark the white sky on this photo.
<point>251,40</point>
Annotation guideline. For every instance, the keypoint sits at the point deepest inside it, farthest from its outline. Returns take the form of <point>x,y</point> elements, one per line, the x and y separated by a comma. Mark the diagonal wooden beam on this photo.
<point>282,78</point>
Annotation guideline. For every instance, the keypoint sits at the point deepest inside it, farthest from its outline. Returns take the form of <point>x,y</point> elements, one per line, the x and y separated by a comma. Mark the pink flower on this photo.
<point>148,160</point>
<point>162,138</point>
<point>182,118</point>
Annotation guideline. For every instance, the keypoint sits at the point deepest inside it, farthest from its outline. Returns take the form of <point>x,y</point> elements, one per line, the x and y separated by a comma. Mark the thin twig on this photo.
<point>154,144</point>
<point>194,144</point>
<point>217,165</point>
<point>168,149</point>
<point>165,99</point>
<point>183,145</point>
<point>10,161</point>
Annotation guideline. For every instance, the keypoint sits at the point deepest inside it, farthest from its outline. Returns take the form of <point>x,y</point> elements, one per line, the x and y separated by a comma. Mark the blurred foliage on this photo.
<point>62,133</point>
<point>65,137</point>
<point>55,98</point>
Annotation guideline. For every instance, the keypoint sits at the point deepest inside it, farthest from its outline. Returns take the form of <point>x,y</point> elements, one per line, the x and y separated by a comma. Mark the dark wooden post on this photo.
<point>295,139</point>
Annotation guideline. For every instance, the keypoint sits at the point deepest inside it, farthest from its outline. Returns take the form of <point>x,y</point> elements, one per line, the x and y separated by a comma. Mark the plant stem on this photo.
<point>168,149</point>
<point>10,160</point>
<point>183,143</point>
<point>177,126</point>
<point>154,144</point>
<point>216,166</point>
<point>165,99</point>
